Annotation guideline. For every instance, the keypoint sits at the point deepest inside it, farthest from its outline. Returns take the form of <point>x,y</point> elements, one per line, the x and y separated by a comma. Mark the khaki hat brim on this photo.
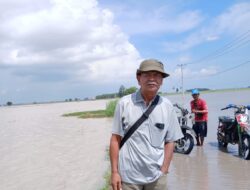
<point>147,70</point>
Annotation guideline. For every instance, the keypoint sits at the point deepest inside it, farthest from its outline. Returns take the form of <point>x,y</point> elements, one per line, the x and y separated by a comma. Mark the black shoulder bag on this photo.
<point>140,121</point>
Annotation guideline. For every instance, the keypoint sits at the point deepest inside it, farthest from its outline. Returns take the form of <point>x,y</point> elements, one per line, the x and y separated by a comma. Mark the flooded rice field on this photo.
<point>40,149</point>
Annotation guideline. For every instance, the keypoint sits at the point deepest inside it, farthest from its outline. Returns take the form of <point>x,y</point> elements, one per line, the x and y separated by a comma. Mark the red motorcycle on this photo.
<point>235,130</point>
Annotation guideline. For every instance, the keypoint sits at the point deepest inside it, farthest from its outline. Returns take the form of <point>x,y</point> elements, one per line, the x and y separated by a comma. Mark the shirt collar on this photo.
<point>138,97</point>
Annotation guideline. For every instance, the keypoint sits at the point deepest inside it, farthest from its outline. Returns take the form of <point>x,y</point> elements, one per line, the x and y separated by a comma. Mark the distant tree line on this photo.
<point>9,103</point>
<point>200,89</point>
<point>106,96</point>
<point>70,99</point>
<point>125,91</point>
<point>121,92</point>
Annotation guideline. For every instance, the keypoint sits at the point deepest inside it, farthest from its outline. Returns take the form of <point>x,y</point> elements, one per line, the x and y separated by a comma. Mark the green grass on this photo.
<point>88,114</point>
<point>110,108</point>
<point>108,112</point>
<point>107,177</point>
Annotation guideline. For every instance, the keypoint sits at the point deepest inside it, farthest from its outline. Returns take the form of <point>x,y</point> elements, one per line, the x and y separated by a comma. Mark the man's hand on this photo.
<point>116,181</point>
<point>114,154</point>
<point>195,111</point>
<point>168,155</point>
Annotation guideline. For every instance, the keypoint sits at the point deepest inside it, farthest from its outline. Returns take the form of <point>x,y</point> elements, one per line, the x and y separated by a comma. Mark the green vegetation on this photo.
<point>106,96</point>
<point>9,103</point>
<point>107,177</point>
<point>122,92</point>
<point>87,114</point>
<point>108,112</point>
<point>130,90</point>
<point>110,108</point>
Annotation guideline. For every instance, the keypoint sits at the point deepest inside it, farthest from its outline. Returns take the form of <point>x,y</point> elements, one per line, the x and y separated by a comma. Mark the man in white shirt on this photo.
<point>143,161</point>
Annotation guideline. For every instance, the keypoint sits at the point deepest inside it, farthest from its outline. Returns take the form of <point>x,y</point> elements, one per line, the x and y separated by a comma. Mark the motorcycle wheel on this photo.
<point>244,151</point>
<point>185,145</point>
<point>221,143</point>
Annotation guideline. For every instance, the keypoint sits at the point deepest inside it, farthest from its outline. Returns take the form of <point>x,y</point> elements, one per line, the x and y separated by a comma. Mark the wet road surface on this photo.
<point>209,167</point>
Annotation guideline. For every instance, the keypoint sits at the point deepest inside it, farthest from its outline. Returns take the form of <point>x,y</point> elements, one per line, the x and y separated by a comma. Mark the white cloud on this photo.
<point>195,73</point>
<point>18,90</point>
<point>233,21</point>
<point>158,20</point>
<point>208,71</point>
<point>212,38</point>
<point>3,92</point>
<point>75,34</point>
<point>183,59</point>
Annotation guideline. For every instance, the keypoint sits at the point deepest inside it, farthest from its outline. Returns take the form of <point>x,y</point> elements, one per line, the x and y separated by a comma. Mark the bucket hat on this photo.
<point>152,65</point>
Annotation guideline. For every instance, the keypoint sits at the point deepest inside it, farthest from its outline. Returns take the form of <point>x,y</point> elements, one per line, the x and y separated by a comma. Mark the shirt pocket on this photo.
<point>157,134</point>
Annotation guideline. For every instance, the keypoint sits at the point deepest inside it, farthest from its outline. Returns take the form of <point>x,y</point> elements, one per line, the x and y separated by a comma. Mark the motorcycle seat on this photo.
<point>226,119</point>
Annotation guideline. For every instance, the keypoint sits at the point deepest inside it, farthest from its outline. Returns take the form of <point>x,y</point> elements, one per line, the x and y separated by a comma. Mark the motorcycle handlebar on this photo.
<point>236,106</point>
<point>178,106</point>
<point>184,111</point>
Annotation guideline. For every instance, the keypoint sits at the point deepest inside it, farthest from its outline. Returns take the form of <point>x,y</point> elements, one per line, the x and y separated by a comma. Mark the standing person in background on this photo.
<point>200,110</point>
<point>143,161</point>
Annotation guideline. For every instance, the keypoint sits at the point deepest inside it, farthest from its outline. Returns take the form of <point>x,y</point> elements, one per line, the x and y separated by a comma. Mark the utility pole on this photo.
<point>182,82</point>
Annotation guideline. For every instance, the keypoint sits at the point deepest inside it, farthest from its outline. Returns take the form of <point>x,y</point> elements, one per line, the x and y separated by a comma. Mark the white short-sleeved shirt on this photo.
<point>142,155</point>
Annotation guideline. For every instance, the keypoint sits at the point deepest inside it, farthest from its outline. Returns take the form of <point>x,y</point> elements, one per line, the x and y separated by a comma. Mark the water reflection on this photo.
<point>209,168</point>
<point>189,171</point>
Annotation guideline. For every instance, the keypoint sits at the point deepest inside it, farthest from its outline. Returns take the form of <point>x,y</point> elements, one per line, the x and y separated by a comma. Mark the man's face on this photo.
<point>195,96</point>
<point>150,81</point>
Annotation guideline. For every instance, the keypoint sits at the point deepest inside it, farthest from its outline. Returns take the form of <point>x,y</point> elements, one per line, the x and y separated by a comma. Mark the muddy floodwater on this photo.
<point>41,150</point>
<point>208,167</point>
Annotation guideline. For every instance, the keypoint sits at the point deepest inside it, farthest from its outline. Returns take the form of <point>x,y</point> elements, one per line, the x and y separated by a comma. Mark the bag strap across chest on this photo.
<point>137,124</point>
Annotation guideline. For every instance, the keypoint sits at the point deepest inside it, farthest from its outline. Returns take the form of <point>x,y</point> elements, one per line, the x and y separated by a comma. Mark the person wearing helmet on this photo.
<point>200,110</point>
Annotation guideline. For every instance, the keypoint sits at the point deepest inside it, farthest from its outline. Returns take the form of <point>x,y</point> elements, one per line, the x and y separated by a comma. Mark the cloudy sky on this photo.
<point>59,49</point>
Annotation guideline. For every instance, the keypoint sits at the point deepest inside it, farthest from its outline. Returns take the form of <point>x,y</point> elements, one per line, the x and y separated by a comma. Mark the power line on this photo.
<point>229,50</point>
<point>223,71</point>
<point>232,68</point>
<point>234,44</point>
